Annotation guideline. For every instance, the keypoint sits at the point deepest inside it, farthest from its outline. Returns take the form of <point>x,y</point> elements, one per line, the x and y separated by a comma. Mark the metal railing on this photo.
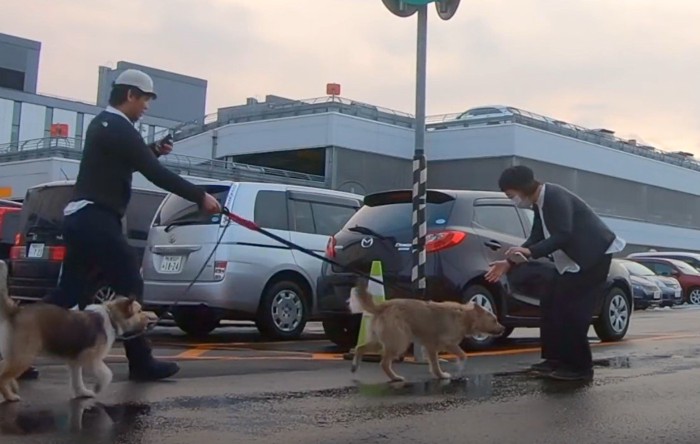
<point>70,148</point>
<point>533,120</point>
<point>271,109</point>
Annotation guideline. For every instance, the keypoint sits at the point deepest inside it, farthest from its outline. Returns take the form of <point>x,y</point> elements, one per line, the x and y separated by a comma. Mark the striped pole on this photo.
<point>420,173</point>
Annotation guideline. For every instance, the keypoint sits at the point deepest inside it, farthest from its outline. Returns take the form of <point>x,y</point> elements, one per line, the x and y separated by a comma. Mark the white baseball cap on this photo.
<point>137,79</point>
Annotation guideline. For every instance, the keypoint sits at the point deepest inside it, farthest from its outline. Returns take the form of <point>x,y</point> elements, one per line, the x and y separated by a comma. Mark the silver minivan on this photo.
<point>250,276</point>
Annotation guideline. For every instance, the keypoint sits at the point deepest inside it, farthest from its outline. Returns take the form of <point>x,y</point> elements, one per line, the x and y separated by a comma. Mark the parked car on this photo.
<point>692,259</point>
<point>466,231</point>
<point>9,223</point>
<point>687,276</point>
<point>37,257</point>
<point>250,277</point>
<point>647,286</point>
<point>487,113</point>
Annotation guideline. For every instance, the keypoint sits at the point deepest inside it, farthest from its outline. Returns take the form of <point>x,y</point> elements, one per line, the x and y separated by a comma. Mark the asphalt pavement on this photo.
<point>235,387</point>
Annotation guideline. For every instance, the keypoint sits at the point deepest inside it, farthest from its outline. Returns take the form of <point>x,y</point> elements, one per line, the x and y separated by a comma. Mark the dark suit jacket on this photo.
<point>573,228</point>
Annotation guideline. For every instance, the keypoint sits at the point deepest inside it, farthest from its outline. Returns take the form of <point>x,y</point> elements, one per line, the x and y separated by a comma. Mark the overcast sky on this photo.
<point>627,65</point>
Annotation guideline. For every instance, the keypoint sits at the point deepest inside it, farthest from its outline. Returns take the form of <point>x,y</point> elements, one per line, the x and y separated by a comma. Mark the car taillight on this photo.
<point>443,239</point>
<point>19,239</point>
<point>220,270</point>
<point>18,252</point>
<point>330,248</point>
<point>57,254</point>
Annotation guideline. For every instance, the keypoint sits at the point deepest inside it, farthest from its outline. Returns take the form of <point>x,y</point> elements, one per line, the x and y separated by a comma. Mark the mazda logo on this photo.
<point>367,242</point>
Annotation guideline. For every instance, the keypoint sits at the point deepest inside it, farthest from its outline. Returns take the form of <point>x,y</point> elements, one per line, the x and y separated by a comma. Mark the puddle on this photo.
<point>76,416</point>
<point>614,362</point>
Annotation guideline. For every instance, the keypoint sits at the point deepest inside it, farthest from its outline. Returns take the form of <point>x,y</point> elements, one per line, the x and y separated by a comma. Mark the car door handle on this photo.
<point>492,244</point>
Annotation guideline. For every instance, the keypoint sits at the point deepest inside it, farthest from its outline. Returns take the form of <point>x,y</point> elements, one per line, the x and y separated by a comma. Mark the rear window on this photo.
<point>139,214</point>
<point>176,210</point>
<point>43,208</point>
<point>399,216</point>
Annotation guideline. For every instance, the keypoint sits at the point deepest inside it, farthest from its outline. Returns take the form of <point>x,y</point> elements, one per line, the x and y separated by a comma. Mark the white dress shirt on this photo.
<point>562,261</point>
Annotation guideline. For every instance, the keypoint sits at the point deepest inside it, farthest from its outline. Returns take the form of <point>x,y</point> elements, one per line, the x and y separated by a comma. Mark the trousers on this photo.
<point>567,313</point>
<point>95,244</point>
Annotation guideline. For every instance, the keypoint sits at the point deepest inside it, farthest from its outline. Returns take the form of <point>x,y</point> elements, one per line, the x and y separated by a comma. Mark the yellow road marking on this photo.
<point>197,353</point>
<point>193,352</point>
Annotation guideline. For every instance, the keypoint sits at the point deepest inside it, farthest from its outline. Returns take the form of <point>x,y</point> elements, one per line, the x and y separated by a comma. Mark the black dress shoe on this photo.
<point>545,367</point>
<point>153,371</point>
<point>30,373</point>
<point>571,375</point>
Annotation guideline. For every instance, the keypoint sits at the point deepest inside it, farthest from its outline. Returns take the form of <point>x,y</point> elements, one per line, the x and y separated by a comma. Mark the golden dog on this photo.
<point>438,326</point>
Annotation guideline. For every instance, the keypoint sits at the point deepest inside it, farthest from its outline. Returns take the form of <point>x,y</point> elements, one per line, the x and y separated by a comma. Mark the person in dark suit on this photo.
<point>568,231</point>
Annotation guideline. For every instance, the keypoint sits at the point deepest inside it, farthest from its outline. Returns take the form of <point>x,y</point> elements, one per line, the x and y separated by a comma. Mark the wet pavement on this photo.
<point>235,387</point>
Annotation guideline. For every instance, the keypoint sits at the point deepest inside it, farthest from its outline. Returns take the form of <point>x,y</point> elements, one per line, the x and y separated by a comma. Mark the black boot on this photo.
<point>30,373</point>
<point>142,365</point>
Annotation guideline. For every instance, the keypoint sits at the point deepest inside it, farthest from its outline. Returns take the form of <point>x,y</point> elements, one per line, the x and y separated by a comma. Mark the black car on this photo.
<point>37,257</point>
<point>466,231</point>
<point>9,222</point>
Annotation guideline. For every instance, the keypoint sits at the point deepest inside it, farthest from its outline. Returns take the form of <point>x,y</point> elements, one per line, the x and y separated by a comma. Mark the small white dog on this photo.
<point>81,338</point>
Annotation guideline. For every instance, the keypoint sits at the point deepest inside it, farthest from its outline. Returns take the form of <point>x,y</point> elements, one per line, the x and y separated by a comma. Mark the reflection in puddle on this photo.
<point>614,362</point>
<point>84,415</point>
<point>475,385</point>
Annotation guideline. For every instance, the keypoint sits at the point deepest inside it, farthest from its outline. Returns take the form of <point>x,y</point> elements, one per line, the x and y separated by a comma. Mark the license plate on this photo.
<point>678,293</point>
<point>657,294</point>
<point>36,251</point>
<point>171,264</point>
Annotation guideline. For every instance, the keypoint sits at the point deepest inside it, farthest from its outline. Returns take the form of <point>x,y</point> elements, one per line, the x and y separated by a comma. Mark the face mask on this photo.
<point>520,202</point>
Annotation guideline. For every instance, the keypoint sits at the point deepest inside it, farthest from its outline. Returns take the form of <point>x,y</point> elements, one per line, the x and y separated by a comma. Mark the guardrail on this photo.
<point>555,126</point>
<point>70,148</point>
<point>260,111</point>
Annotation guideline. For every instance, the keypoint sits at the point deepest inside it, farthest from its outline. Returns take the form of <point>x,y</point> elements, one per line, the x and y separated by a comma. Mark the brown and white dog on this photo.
<point>438,326</point>
<point>80,338</point>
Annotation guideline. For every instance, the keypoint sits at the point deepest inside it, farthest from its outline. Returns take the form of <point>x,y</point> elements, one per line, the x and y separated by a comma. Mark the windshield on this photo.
<point>43,208</point>
<point>685,268</point>
<point>638,269</point>
<point>176,210</point>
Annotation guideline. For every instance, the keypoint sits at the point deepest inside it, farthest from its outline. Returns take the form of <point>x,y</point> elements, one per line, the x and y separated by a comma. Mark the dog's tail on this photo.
<point>361,300</point>
<point>8,308</point>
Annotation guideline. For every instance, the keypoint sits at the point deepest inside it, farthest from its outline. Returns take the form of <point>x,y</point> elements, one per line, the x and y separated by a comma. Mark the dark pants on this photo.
<point>95,244</point>
<point>567,314</point>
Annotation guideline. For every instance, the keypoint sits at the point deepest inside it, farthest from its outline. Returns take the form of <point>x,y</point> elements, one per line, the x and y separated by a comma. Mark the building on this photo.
<point>19,63</point>
<point>648,196</point>
<point>26,117</point>
<point>180,98</point>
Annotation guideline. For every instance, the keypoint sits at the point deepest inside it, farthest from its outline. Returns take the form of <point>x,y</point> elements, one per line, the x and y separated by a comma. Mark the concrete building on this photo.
<point>180,98</point>
<point>648,196</point>
<point>26,118</point>
<point>19,63</point>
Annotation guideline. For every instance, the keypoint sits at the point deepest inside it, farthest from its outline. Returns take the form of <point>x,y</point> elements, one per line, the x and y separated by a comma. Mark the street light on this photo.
<point>446,10</point>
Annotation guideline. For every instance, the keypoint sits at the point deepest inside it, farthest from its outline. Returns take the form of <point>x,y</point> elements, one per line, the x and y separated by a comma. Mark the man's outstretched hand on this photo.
<point>497,270</point>
<point>210,205</point>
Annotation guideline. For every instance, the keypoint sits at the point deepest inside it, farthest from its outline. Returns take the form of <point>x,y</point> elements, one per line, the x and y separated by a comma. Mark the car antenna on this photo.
<point>64,174</point>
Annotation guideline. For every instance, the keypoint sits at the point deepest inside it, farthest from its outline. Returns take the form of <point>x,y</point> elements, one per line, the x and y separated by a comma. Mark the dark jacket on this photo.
<point>573,227</point>
<point>113,151</point>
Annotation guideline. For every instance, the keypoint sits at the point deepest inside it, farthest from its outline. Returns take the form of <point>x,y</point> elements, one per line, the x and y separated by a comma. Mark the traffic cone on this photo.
<point>377,291</point>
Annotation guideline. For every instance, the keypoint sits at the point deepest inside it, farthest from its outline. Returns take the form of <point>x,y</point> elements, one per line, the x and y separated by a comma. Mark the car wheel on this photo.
<point>694,296</point>
<point>481,296</point>
<point>104,294</point>
<point>343,330</point>
<point>196,321</point>
<point>614,320</point>
<point>282,313</point>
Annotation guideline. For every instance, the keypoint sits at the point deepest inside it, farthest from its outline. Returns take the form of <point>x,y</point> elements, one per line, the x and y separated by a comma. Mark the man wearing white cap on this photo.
<point>92,229</point>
